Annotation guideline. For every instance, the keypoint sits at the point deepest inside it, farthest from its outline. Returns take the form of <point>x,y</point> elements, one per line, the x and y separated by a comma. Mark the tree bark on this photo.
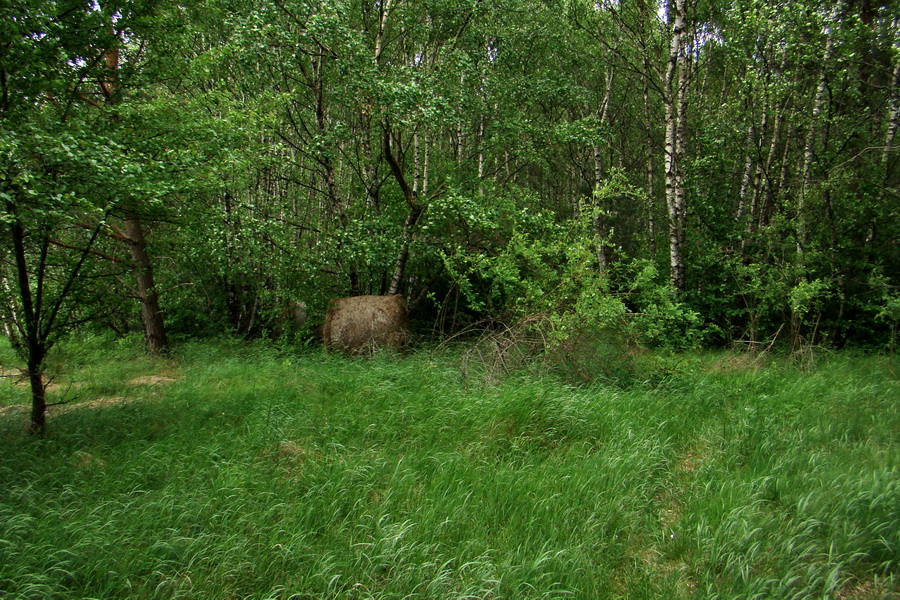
<point>8,324</point>
<point>748,173</point>
<point>151,314</point>
<point>416,210</point>
<point>893,120</point>
<point>757,181</point>
<point>768,185</point>
<point>811,135</point>
<point>651,171</point>
<point>412,219</point>
<point>382,25</point>
<point>674,98</point>
<point>481,127</point>
<point>748,209</point>
<point>33,342</point>
<point>600,224</point>
<point>38,397</point>
<point>893,115</point>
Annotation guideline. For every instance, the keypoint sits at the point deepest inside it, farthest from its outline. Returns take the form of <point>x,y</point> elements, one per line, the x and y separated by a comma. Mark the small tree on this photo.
<point>48,178</point>
<point>61,173</point>
<point>49,293</point>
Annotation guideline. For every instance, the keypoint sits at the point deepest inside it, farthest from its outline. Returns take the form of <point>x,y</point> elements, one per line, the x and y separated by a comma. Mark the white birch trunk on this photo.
<point>481,128</point>
<point>811,135</point>
<point>756,180</point>
<point>766,186</point>
<point>651,174</point>
<point>893,120</point>
<point>674,98</point>
<point>425,163</point>
<point>382,24</point>
<point>459,129</point>
<point>893,117</point>
<point>748,174</point>
<point>600,226</point>
<point>417,167</point>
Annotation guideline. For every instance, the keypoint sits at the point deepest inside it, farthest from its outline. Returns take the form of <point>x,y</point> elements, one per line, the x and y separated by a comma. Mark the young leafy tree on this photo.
<point>48,264</point>
<point>53,159</point>
<point>65,169</point>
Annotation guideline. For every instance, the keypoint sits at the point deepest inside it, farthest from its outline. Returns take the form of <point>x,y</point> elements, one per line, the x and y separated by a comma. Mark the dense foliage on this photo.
<point>579,179</point>
<point>693,171</point>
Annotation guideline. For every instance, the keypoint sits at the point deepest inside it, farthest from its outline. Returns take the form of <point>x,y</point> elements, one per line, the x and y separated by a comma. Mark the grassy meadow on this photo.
<point>229,471</point>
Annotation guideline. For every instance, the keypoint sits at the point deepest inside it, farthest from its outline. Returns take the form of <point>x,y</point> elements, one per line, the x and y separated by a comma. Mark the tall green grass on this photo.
<point>254,473</point>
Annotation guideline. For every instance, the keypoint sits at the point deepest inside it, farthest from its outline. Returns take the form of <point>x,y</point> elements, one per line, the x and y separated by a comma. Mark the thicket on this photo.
<point>671,174</point>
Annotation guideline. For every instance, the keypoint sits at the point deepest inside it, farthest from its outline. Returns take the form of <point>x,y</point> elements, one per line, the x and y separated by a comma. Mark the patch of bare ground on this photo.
<point>670,508</point>
<point>15,409</point>
<point>56,409</point>
<point>15,377</point>
<point>868,589</point>
<point>64,388</point>
<point>10,372</point>
<point>85,460</point>
<point>690,461</point>
<point>100,402</point>
<point>290,455</point>
<point>18,377</point>
<point>739,362</point>
<point>677,570</point>
<point>60,387</point>
<point>154,380</point>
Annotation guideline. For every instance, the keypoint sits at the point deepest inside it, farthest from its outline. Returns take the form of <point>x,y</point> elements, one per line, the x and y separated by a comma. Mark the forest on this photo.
<point>650,252</point>
<point>690,173</point>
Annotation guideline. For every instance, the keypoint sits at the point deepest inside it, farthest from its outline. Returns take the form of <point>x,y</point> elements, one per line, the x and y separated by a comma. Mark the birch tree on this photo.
<point>675,98</point>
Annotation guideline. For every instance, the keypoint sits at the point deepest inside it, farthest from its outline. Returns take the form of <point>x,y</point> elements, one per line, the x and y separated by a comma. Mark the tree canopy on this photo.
<point>702,170</point>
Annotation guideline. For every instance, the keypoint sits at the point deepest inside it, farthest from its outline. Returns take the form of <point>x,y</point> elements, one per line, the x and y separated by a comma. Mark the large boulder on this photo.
<point>359,324</point>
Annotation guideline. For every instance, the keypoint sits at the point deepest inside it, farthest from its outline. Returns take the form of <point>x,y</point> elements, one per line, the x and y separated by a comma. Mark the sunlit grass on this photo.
<point>227,471</point>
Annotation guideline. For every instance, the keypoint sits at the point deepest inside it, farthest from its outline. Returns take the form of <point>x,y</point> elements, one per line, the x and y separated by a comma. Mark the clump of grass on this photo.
<point>257,473</point>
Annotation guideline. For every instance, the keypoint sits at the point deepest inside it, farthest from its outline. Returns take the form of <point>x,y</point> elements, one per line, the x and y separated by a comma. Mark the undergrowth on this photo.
<point>234,471</point>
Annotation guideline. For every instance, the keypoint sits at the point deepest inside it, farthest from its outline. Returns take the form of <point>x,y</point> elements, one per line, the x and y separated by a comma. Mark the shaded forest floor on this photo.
<point>233,471</point>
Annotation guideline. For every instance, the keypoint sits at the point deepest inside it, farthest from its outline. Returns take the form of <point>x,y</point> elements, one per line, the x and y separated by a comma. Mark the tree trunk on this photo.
<point>768,185</point>
<point>674,98</point>
<point>481,127</point>
<point>328,171</point>
<point>11,311</point>
<point>420,189</point>
<point>893,119</point>
<point>151,315</point>
<point>748,173</point>
<point>600,225</point>
<point>651,175</point>
<point>29,328</point>
<point>416,210</point>
<point>382,25</point>
<point>893,114</point>
<point>811,135</point>
<point>756,183</point>
<point>412,219</point>
<point>38,397</point>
